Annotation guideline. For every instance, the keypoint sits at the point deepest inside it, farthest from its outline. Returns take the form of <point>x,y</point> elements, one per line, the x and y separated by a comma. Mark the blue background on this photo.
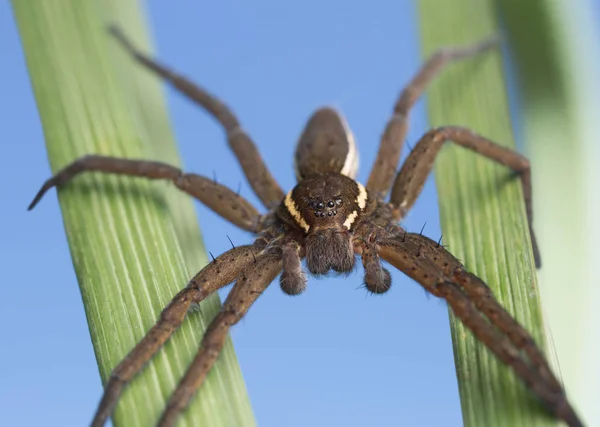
<point>333,356</point>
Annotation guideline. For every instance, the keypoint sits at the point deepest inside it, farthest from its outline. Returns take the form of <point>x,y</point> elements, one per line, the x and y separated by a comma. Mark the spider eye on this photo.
<point>330,204</point>
<point>316,205</point>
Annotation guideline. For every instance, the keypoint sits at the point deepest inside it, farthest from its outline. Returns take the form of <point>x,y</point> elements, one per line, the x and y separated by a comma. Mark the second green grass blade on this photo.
<point>556,47</point>
<point>482,211</point>
<point>126,235</point>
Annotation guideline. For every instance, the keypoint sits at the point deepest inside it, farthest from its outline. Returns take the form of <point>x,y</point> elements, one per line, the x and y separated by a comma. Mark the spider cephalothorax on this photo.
<point>328,219</point>
<point>326,208</point>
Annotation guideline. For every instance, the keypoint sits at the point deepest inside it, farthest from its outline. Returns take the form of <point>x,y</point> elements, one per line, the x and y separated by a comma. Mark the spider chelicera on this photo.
<point>328,220</point>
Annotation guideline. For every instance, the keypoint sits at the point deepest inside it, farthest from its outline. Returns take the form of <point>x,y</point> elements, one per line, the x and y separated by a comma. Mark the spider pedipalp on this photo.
<point>376,278</point>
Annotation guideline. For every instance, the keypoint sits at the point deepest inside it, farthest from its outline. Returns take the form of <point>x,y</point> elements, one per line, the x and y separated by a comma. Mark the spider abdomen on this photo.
<point>326,145</point>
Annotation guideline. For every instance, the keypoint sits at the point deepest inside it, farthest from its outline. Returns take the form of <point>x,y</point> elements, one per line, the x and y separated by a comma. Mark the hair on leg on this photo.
<point>410,257</point>
<point>485,301</point>
<point>231,206</point>
<point>384,168</point>
<point>259,177</point>
<point>253,281</point>
<point>417,167</point>
<point>220,272</point>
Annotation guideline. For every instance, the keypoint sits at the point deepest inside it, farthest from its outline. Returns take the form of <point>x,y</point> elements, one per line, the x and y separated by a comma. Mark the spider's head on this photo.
<point>326,208</point>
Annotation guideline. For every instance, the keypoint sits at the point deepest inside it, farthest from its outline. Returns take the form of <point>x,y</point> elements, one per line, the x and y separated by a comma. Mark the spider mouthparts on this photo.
<point>329,249</point>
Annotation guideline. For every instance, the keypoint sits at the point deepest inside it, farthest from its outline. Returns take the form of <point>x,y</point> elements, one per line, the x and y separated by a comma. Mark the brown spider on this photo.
<point>327,219</point>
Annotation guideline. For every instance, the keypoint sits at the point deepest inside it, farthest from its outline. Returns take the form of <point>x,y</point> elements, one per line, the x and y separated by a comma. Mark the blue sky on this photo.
<point>331,357</point>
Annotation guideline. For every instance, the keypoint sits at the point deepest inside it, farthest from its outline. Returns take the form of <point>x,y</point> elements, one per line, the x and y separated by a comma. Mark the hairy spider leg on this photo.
<point>409,256</point>
<point>259,177</point>
<point>392,140</point>
<point>217,197</point>
<point>417,166</point>
<point>485,302</point>
<point>253,281</point>
<point>219,273</point>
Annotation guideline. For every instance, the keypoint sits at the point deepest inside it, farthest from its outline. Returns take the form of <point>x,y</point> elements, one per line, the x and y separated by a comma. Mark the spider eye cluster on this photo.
<point>322,209</point>
<point>331,201</point>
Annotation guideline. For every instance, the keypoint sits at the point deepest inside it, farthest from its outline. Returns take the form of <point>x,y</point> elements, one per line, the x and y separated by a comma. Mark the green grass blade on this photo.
<point>134,244</point>
<point>482,210</point>
<point>556,51</point>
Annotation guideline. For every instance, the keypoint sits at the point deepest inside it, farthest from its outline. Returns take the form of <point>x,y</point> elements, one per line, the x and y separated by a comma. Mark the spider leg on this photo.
<point>484,300</point>
<point>217,197</point>
<point>222,271</point>
<point>253,281</point>
<point>411,178</point>
<point>411,257</point>
<point>259,177</point>
<point>392,141</point>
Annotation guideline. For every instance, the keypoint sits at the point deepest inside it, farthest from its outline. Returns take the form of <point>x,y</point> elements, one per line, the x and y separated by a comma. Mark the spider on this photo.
<point>328,220</point>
